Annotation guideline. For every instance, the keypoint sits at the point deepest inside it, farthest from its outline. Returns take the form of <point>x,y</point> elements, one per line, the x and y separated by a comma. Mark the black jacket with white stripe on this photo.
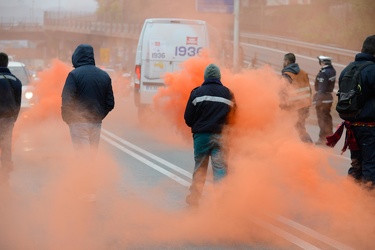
<point>208,107</point>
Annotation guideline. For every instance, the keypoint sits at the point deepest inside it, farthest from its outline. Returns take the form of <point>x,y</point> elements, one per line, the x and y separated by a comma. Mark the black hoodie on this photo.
<point>87,95</point>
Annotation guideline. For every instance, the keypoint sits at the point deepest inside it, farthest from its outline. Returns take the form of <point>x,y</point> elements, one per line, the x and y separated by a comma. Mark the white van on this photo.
<point>20,71</point>
<point>163,44</point>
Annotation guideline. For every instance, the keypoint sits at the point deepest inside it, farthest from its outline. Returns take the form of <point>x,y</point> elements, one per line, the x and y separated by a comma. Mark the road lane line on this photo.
<point>148,154</point>
<point>279,231</point>
<point>284,234</point>
<point>313,234</point>
<point>147,162</point>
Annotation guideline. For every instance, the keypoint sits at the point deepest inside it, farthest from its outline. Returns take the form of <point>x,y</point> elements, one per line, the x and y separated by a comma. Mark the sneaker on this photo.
<point>192,200</point>
<point>320,143</point>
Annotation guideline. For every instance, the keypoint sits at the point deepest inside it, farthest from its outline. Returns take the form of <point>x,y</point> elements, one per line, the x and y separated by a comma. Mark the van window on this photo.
<point>21,73</point>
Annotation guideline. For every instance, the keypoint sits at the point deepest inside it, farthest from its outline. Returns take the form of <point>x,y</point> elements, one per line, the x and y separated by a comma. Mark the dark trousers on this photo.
<point>363,160</point>
<point>323,112</point>
<point>6,132</point>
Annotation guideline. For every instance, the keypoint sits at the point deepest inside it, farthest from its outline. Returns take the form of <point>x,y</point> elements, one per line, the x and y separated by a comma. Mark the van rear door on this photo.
<point>167,43</point>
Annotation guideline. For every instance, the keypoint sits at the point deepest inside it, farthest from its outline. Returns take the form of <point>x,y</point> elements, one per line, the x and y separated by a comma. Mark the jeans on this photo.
<point>365,137</point>
<point>206,145</point>
<point>6,132</point>
<point>85,136</point>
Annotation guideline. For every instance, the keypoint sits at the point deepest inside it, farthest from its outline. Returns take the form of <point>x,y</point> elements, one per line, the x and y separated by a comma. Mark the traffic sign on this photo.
<point>216,6</point>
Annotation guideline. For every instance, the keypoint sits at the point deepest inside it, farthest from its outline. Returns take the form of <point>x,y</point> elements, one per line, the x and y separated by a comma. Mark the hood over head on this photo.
<point>83,55</point>
<point>212,71</point>
<point>293,68</point>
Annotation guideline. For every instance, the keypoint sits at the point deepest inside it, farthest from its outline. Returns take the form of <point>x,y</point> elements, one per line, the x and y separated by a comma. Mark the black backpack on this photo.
<point>350,97</point>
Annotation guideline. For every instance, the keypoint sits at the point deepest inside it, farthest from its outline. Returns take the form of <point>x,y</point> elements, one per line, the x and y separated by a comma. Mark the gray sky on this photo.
<point>71,5</point>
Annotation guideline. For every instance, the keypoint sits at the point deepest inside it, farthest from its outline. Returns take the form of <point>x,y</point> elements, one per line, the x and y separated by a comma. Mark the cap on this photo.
<point>325,59</point>
<point>212,71</point>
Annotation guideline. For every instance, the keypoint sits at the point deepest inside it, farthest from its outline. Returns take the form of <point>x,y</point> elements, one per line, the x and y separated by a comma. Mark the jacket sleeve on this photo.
<point>190,111</point>
<point>68,98</point>
<point>17,98</point>
<point>110,100</point>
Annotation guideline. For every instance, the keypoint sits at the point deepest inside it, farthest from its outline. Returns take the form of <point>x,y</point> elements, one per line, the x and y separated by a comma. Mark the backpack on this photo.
<point>350,97</point>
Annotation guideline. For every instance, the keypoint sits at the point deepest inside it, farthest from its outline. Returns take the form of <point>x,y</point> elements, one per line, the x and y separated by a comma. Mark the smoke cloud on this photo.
<point>271,173</point>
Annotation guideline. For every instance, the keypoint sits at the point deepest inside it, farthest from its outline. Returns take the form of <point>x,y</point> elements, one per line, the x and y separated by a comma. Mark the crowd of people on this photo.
<point>87,98</point>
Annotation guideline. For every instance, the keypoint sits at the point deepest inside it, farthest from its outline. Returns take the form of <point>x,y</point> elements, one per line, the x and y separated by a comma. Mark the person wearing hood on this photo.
<point>300,98</point>
<point>10,105</point>
<point>87,98</point>
<point>323,98</point>
<point>360,130</point>
<point>207,112</point>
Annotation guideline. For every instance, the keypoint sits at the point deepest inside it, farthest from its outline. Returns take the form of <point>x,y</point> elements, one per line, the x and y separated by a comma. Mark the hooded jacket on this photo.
<point>87,94</point>
<point>10,94</point>
<point>367,113</point>
<point>301,95</point>
<point>209,105</point>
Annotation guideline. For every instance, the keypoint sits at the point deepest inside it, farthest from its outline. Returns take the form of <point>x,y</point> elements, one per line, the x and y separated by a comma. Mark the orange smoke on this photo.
<point>48,91</point>
<point>270,170</point>
<point>271,173</point>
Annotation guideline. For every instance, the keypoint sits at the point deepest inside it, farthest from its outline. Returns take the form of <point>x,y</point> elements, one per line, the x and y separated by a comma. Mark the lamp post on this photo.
<point>236,33</point>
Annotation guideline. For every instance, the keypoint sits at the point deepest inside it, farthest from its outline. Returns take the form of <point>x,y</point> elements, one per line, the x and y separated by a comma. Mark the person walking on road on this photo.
<point>360,134</point>
<point>300,100</point>
<point>10,105</point>
<point>323,98</point>
<point>87,98</point>
<point>207,112</point>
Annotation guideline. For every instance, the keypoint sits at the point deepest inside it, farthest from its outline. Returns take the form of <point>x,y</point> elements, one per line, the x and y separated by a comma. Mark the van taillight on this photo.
<point>138,71</point>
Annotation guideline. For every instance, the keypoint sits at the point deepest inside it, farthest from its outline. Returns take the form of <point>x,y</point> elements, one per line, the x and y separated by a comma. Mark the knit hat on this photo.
<point>212,71</point>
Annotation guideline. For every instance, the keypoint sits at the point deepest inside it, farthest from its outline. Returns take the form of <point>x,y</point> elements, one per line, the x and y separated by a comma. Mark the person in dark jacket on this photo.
<point>301,99</point>
<point>10,105</point>
<point>323,98</point>
<point>206,113</point>
<point>87,98</point>
<point>360,134</point>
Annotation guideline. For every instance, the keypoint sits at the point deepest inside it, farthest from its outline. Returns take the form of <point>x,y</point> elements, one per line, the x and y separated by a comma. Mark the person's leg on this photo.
<point>365,137</point>
<point>80,135</point>
<point>303,113</point>
<point>320,117</point>
<point>355,171</point>
<point>94,136</point>
<point>219,164</point>
<point>327,125</point>
<point>6,127</point>
<point>201,158</point>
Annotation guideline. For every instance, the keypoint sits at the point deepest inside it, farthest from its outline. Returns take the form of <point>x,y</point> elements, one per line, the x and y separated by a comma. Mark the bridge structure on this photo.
<point>61,32</point>
<point>116,43</point>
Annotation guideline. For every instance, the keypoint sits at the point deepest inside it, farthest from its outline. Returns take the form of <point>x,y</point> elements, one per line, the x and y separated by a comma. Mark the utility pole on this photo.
<point>236,34</point>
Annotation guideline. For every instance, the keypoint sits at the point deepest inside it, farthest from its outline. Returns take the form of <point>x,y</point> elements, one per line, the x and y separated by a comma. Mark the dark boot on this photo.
<point>355,171</point>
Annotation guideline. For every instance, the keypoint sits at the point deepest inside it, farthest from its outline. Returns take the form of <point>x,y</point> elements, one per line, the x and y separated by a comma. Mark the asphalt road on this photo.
<point>140,180</point>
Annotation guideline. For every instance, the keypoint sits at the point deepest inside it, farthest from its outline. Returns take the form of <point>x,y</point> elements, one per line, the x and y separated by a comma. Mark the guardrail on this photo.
<point>339,55</point>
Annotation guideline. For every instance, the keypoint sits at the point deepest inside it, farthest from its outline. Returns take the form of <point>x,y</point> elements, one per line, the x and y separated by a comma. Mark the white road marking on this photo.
<point>282,233</point>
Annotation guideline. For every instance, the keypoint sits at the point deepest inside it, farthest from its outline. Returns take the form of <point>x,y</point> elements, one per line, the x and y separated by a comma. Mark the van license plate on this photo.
<point>151,88</point>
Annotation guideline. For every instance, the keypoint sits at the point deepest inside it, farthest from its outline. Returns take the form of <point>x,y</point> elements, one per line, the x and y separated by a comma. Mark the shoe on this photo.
<point>192,200</point>
<point>320,143</point>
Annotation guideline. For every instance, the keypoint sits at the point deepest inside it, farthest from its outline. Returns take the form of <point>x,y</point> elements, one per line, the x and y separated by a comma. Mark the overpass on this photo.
<point>61,32</point>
